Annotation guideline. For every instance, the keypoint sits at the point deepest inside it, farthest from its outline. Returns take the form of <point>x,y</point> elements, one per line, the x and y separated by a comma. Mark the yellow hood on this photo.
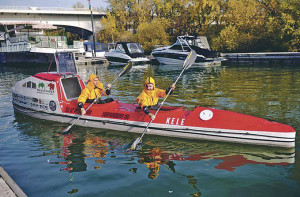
<point>149,80</point>
<point>91,85</point>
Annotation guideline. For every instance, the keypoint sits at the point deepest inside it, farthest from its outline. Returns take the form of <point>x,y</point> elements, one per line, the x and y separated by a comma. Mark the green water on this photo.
<point>94,162</point>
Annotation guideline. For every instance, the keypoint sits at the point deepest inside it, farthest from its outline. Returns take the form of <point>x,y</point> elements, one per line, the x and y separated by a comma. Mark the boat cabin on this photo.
<point>89,46</point>
<point>198,44</point>
<point>132,49</point>
<point>66,68</point>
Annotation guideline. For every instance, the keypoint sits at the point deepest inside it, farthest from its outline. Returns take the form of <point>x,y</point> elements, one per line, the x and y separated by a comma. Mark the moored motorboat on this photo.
<point>177,53</point>
<point>53,96</point>
<point>123,52</point>
<point>98,47</point>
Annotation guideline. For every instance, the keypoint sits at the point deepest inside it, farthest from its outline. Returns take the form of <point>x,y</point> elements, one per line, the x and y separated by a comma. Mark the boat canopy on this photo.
<point>89,46</point>
<point>132,49</point>
<point>65,63</point>
<point>199,41</point>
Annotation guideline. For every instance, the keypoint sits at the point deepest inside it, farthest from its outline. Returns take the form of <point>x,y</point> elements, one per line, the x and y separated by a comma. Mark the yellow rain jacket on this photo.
<point>150,97</point>
<point>91,91</point>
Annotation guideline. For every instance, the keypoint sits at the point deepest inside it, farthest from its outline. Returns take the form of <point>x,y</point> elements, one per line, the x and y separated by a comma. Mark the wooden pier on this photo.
<point>80,59</point>
<point>265,56</point>
<point>8,188</point>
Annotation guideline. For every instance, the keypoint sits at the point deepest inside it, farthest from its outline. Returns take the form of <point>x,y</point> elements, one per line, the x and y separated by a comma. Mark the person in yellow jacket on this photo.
<point>93,89</point>
<point>148,98</point>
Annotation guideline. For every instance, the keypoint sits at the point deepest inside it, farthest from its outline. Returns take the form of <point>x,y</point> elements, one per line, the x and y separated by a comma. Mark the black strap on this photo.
<point>168,89</point>
<point>80,105</point>
<point>146,110</point>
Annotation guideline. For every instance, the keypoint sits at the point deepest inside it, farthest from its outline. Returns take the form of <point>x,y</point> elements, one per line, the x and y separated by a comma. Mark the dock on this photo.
<point>8,187</point>
<point>82,60</point>
<point>264,56</point>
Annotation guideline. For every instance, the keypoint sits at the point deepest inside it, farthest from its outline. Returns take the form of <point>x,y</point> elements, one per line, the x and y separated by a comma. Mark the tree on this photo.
<point>151,34</point>
<point>229,25</point>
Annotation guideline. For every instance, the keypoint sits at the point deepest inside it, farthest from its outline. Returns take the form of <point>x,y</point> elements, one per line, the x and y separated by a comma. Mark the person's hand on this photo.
<point>172,86</point>
<point>108,86</point>
<point>83,112</point>
<point>151,116</point>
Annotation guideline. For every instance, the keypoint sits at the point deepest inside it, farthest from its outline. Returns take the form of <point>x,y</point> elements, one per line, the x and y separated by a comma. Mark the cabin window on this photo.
<point>71,87</point>
<point>99,48</point>
<point>88,47</point>
<point>120,48</point>
<point>134,48</point>
<point>29,84</point>
<point>176,47</point>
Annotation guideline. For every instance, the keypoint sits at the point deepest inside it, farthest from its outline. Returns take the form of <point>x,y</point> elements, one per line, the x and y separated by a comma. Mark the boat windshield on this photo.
<point>89,47</point>
<point>120,48</point>
<point>134,48</point>
<point>200,41</point>
<point>65,63</point>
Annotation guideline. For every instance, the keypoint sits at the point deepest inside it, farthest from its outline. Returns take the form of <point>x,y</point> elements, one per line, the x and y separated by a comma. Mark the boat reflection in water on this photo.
<point>96,147</point>
<point>230,156</point>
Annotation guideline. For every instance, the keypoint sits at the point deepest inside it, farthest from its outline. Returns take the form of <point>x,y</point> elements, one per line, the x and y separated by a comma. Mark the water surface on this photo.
<point>94,162</point>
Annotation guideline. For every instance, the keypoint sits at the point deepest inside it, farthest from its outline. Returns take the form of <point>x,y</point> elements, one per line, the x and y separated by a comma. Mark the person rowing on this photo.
<point>148,98</point>
<point>93,89</point>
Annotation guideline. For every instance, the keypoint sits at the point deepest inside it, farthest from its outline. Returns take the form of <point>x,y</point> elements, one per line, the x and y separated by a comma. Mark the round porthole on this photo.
<point>206,114</point>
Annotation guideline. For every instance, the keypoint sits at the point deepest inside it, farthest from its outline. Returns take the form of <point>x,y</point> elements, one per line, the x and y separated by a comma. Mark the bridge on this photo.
<point>76,21</point>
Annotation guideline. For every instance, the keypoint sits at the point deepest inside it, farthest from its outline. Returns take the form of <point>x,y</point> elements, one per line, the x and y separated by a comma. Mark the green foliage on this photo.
<point>230,25</point>
<point>61,32</point>
<point>151,34</point>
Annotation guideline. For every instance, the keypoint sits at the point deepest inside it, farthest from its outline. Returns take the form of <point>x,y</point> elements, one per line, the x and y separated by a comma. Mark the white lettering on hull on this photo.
<point>175,121</point>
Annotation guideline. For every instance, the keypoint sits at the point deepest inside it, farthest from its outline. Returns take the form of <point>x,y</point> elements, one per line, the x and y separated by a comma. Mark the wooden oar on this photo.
<point>125,70</point>
<point>187,63</point>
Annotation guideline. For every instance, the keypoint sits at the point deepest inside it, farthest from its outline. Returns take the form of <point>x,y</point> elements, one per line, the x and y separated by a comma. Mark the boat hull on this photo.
<point>177,58</point>
<point>25,57</point>
<point>278,139</point>
<point>122,59</point>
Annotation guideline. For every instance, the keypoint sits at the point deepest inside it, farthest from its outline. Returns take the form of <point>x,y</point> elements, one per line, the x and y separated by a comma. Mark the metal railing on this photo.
<point>17,47</point>
<point>25,43</point>
<point>43,8</point>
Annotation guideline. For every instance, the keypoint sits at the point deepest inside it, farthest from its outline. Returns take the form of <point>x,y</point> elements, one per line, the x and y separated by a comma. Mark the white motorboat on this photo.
<point>177,53</point>
<point>99,50</point>
<point>123,52</point>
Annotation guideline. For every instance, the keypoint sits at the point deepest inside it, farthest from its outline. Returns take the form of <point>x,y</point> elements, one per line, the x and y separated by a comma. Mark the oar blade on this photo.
<point>66,130</point>
<point>191,58</point>
<point>126,69</point>
<point>135,143</point>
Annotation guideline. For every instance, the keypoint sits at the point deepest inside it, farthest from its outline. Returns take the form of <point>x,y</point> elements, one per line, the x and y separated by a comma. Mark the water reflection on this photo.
<point>230,156</point>
<point>96,147</point>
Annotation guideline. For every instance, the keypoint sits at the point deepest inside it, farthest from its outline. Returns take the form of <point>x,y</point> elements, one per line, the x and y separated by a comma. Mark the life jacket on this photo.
<point>150,97</point>
<point>91,91</point>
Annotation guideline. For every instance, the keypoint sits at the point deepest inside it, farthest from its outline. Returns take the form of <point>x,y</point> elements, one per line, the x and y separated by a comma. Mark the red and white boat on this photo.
<point>53,96</point>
